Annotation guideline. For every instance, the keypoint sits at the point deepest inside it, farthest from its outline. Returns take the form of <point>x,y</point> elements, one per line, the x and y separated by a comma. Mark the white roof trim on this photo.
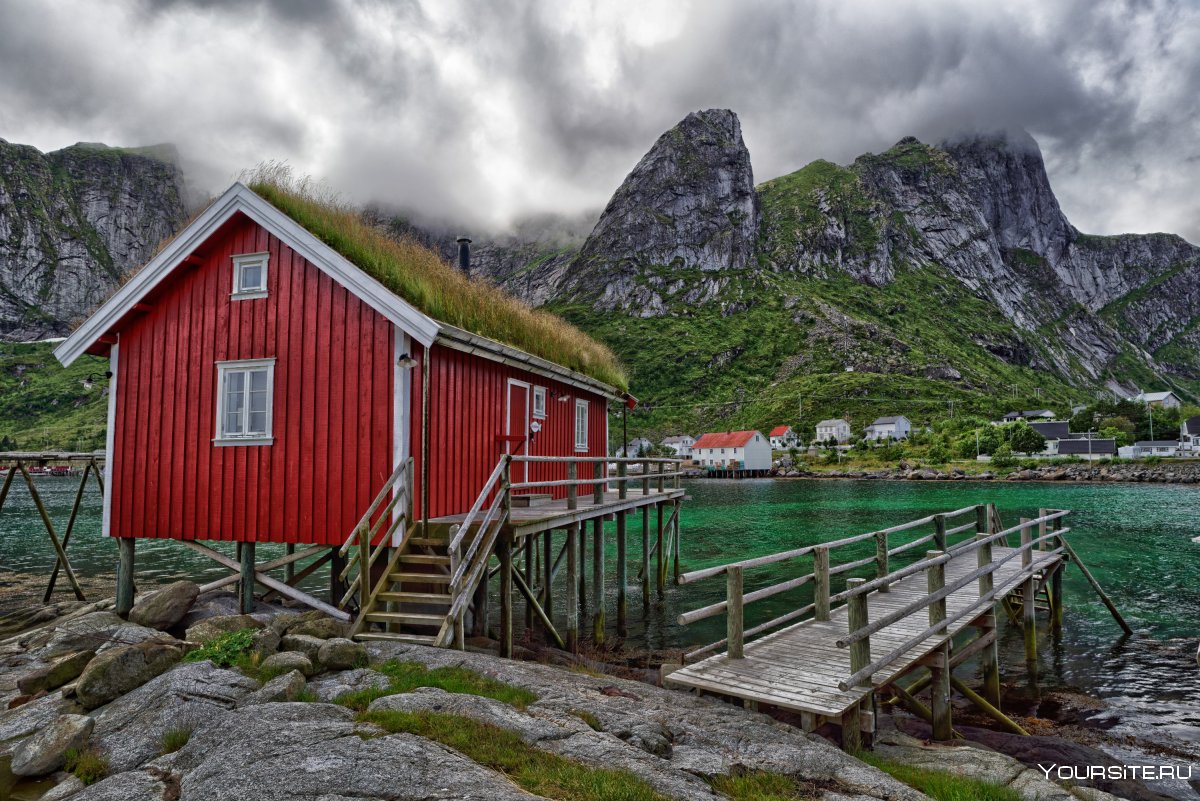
<point>237,198</point>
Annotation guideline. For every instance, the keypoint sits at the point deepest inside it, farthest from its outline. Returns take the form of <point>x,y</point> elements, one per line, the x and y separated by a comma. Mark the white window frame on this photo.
<point>582,444</point>
<point>242,261</point>
<point>244,365</point>
<point>539,402</point>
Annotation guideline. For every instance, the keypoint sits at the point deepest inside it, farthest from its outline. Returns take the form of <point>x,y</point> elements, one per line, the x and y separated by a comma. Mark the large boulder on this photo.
<point>289,660</point>
<point>119,670</point>
<point>318,624</point>
<point>342,654</point>
<point>334,685</point>
<point>97,632</point>
<point>305,644</point>
<point>28,718</point>
<point>211,628</point>
<point>287,687</point>
<point>46,751</point>
<point>164,608</point>
<point>56,674</point>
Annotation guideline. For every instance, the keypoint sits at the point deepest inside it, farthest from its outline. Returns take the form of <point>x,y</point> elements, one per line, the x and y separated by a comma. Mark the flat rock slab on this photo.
<point>98,631</point>
<point>46,751</point>
<point>334,685</point>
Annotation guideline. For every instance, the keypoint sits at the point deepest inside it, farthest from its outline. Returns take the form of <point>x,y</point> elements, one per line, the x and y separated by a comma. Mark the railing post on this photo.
<point>1042,528</point>
<point>572,488</point>
<point>939,532</point>
<point>646,477</point>
<point>504,552</point>
<point>989,662</point>
<point>678,468</point>
<point>662,468</point>
<point>821,586</point>
<point>881,558</point>
<point>460,634</point>
<point>364,569</point>
<point>1029,601</point>
<point>858,618</point>
<point>981,522</point>
<point>622,480</point>
<point>599,474</point>
<point>936,574</point>
<point>734,616</point>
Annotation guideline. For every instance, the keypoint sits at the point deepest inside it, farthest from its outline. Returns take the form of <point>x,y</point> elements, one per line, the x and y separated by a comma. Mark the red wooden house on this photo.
<point>265,388</point>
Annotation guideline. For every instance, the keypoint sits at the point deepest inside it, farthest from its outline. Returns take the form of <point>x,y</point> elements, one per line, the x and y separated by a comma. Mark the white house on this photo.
<point>733,450</point>
<point>1189,436</point>
<point>681,445</point>
<point>637,447</point>
<point>1155,447</point>
<point>1166,400</point>
<point>837,429</point>
<point>886,428</point>
<point>782,438</point>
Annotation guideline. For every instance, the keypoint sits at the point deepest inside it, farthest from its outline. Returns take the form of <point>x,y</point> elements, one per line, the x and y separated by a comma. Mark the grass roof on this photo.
<point>421,277</point>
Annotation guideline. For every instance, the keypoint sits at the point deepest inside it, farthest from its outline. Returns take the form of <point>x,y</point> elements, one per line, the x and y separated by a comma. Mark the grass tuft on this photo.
<point>422,278</point>
<point>227,650</point>
<point>941,785</point>
<point>88,765</point>
<point>762,786</point>
<point>539,772</point>
<point>588,718</point>
<point>174,739</point>
<point>408,676</point>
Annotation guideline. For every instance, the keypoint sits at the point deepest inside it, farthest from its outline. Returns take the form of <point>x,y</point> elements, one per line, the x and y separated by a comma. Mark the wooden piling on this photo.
<point>598,581</point>
<point>1087,574</point>
<point>851,730</point>
<point>1029,601</point>
<point>548,573</point>
<point>527,549</point>
<point>581,566</point>
<point>939,693</point>
<point>660,564</point>
<point>1056,597</point>
<point>857,617</point>
<point>573,588</point>
<point>734,612</point>
<point>645,559</point>
<point>821,583</point>
<point>504,551</point>
<point>622,578</point>
<point>125,562</point>
<point>289,572</point>
<point>936,580</point>
<point>678,533</point>
<point>246,585</point>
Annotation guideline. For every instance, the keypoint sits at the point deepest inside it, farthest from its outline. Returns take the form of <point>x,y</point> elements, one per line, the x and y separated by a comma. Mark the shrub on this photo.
<point>226,650</point>
<point>87,764</point>
<point>1002,457</point>
<point>174,739</point>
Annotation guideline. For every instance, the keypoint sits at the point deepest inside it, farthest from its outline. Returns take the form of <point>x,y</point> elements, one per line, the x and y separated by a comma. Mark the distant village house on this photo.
<point>1164,400</point>
<point>783,437</point>
<point>681,445</point>
<point>889,428</point>
<point>836,429</point>
<point>1189,436</point>
<point>636,447</point>
<point>733,450</point>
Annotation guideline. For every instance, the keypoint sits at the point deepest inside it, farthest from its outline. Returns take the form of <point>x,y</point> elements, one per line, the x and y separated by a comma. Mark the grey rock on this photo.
<point>319,625</point>
<point>27,719</point>
<point>332,686</point>
<point>287,687</point>
<point>46,751</point>
<point>134,785</point>
<point>305,644</point>
<point>341,654</point>
<point>56,674</point>
<point>265,642</point>
<point>532,728</point>
<point>289,660</point>
<point>97,631</point>
<point>192,696</point>
<point>68,787</point>
<point>210,628</point>
<point>119,670</point>
<point>165,607</point>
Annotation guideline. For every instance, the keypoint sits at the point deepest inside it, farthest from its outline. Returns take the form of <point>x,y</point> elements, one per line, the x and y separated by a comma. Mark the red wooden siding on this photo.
<point>468,397</point>
<point>332,412</point>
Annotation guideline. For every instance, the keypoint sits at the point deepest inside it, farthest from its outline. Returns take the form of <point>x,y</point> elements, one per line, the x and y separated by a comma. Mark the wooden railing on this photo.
<point>668,470</point>
<point>822,573</point>
<point>393,507</point>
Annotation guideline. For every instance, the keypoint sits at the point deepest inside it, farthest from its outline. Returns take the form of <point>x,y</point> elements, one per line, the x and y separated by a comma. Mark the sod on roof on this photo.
<point>421,277</point>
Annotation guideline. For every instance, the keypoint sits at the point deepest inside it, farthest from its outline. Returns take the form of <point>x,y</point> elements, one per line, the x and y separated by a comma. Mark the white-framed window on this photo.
<point>249,276</point>
<point>245,396</point>
<point>539,401</point>
<point>581,424</point>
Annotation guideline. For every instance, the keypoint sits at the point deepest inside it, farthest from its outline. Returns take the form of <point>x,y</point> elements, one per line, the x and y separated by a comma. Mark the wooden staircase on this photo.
<point>412,599</point>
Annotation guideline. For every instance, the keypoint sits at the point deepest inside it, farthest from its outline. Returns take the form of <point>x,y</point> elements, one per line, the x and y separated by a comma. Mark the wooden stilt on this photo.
<point>989,660</point>
<point>1029,604</point>
<point>675,540</point>
<point>573,588</point>
<point>58,548</point>
<point>939,688</point>
<point>1056,605</point>
<point>851,731</point>
<point>528,549</point>
<point>525,590</point>
<point>598,581</point>
<point>582,567</point>
<point>622,578</point>
<point>480,606</point>
<point>504,551</point>
<point>337,565</point>
<point>66,540</point>
<point>645,560</point>
<point>125,549</point>
<point>246,587</point>
<point>987,708</point>
<point>661,564</point>
<point>1087,574</point>
<point>548,574</point>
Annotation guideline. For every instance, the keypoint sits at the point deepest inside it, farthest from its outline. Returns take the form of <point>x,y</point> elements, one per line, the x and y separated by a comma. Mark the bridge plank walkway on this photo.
<point>799,667</point>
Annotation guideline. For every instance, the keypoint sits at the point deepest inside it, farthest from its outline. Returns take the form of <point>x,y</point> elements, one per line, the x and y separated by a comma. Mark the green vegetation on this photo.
<point>941,785</point>
<point>47,406</point>
<point>88,765</point>
<point>226,650</point>
<point>764,786</point>
<point>588,718</point>
<point>794,209</point>
<point>421,277</point>
<point>407,676</point>
<point>174,739</point>
<point>539,772</point>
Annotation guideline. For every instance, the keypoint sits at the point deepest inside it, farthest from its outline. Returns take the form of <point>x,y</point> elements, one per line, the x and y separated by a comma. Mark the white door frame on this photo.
<point>524,466</point>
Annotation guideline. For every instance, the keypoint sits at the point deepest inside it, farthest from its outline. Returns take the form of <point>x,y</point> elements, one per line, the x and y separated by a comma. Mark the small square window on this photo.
<point>539,401</point>
<point>245,391</point>
<point>249,276</point>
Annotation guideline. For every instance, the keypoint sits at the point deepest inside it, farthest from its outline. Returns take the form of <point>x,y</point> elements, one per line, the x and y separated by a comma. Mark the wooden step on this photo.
<point>406,617</point>
<point>425,558</point>
<point>533,499</point>
<point>420,578</point>
<point>415,597</point>
<point>416,639</point>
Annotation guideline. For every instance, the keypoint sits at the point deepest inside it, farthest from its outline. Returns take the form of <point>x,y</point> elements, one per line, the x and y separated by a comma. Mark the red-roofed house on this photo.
<point>783,437</point>
<point>733,450</point>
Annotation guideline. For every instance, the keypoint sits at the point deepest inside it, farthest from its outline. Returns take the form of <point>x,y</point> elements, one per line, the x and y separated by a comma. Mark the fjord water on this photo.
<point>1136,538</point>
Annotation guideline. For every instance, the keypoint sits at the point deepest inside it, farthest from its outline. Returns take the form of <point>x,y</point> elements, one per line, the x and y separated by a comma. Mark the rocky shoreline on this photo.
<point>1161,473</point>
<point>165,724</point>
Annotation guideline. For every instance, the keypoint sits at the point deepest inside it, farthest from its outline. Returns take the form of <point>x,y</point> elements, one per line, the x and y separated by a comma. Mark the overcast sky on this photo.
<point>482,113</point>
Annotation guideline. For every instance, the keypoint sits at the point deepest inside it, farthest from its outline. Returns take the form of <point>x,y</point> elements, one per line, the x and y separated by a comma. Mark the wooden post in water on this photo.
<point>660,564</point>
<point>548,573</point>
<point>622,577</point>
<point>678,533</point>
<point>734,612</point>
<point>528,549</point>
<point>881,558</point>
<point>939,665</point>
<point>573,588</point>
<point>581,566</point>
<point>860,656</point>
<point>821,586</point>
<point>989,660</point>
<point>504,551</point>
<point>645,559</point>
<point>246,594</point>
<point>598,581</point>
<point>125,550</point>
<point>289,572</point>
<point>1056,596</point>
<point>1029,602</point>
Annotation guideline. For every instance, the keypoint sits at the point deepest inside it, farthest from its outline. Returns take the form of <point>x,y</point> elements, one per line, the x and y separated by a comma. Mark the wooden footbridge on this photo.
<point>828,661</point>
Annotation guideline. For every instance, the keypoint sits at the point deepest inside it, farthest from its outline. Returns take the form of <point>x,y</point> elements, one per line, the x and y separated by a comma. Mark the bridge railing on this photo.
<point>936,529</point>
<point>858,638</point>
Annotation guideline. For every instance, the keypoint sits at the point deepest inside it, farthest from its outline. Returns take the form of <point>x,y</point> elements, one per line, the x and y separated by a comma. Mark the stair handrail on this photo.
<point>358,544</point>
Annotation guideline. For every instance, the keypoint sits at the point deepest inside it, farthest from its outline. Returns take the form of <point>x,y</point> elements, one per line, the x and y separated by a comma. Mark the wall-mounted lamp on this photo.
<point>406,361</point>
<point>90,382</point>
<point>562,398</point>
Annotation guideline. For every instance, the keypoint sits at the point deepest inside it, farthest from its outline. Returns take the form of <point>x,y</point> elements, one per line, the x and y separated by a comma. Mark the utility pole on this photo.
<point>1150,411</point>
<point>977,444</point>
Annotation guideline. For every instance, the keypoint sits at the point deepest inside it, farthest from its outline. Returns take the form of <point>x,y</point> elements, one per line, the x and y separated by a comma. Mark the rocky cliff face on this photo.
<point>72,223</point>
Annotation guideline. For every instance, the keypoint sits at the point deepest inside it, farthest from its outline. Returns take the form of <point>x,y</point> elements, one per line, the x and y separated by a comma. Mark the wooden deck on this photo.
<point>799,667</point>
<point>528,520</point>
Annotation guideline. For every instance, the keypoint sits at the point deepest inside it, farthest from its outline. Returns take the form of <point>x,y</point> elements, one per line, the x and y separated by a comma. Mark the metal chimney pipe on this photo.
<point>464,254</point>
